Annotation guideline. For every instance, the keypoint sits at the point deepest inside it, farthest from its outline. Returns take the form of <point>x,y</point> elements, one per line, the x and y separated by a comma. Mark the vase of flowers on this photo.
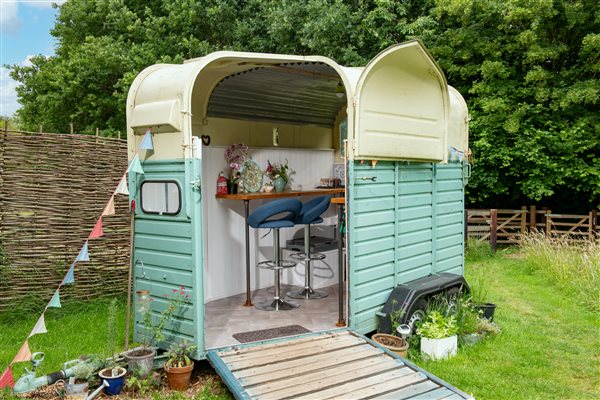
<point>278,174</point>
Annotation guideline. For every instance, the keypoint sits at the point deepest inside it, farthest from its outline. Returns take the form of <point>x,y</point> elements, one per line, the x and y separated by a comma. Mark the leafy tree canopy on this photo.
<point>529,70</point>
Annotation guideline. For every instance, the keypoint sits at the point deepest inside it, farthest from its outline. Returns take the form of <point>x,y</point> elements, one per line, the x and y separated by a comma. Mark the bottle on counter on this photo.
<point>221,184</point>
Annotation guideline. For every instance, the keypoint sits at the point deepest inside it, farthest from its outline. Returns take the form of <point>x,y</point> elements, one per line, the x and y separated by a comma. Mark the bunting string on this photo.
<point>24,353</point>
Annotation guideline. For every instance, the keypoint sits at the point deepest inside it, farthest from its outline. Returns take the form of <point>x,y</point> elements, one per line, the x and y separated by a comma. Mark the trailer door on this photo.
<point>401,107</point>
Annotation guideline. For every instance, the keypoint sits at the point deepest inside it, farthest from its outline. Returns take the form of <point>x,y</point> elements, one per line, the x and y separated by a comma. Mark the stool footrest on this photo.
<point>303,256</point>
<point>277,305</point>
<point>307,294</point>
<point>270,264</point>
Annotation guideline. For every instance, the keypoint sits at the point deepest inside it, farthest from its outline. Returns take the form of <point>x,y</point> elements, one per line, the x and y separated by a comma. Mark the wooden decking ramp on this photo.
<point>333,365</point>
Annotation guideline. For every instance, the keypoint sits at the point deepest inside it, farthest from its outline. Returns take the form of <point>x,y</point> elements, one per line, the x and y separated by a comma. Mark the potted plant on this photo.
<point>278,174</point>
<point>84,371</point>
<point>438,335</point>
<point>113,374</point>
<point>179,366</point>
<point>141,361</point>
<point>479,296</point>
<point>396,344</point>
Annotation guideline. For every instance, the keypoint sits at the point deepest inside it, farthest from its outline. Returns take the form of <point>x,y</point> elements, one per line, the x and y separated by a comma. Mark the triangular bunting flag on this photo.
<point>97,231</point>
<point>23,355</point>
<point>55,300</point>
<point>110,207</point>
<point>70,276</point>
<point>136,165</point>
<point>122,188</point>
<point>83,253</point>
<point>40,327</point>
<point>6,379</point>
<point>147,141</point>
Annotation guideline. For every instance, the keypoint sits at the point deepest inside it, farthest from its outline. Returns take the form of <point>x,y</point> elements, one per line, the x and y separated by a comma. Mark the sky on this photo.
<point>24,31</point>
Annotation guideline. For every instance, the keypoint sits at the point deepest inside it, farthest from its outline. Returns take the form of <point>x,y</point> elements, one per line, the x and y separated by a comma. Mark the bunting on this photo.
<point>40,327</point>
<point>55,300</point>
<point>97,231</point>
<point>70,276</point>
<point>6,379</point>
<point>23,355</point>
<point>136,165</point>
<point>147,141</point>
<point>122,188</point>
<point>110,207</point>
<point>83,253</point>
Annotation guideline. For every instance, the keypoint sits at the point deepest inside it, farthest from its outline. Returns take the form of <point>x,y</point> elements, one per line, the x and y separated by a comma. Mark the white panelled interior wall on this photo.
<point>224,247</point>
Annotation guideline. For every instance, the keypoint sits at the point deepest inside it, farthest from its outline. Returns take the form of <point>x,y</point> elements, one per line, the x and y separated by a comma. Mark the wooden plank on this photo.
<point>244,350</point>
<point>323,363</point>
<point>436,394</point>
<point>410,391</point>
<point>345,375</point>
<point>277,195</point>
<point>329,373</point>
<point>368,386</point>
<point>273,356</point>
<point>302,362</point>
<point>453,396</point>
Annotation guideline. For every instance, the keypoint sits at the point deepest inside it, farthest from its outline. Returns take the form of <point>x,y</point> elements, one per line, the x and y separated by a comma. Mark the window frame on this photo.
<point>160,181</point>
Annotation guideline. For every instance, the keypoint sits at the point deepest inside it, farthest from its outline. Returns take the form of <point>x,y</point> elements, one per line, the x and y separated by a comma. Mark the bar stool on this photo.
<point>264,217</point>
<point>310,214</point>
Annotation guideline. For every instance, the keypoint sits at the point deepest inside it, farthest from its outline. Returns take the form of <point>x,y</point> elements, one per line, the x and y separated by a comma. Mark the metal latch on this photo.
<point>367,178</point>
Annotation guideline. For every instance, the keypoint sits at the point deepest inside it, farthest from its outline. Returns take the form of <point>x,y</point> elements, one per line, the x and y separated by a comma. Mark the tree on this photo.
<point>527,68</point>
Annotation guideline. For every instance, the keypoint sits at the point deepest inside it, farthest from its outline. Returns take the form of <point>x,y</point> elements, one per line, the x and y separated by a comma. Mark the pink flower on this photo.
<point>174,290</point>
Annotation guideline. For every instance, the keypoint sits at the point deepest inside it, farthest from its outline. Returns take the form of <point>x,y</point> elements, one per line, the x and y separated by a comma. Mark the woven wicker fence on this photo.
<point>53,187</point>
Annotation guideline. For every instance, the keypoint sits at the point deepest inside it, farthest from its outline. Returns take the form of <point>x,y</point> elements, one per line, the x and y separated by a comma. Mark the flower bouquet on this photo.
<point>279,174</point>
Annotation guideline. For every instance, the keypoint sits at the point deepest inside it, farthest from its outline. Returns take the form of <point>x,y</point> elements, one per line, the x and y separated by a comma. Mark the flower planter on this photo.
<point>437,349</point>
<point>487,310</point>
<point>179,377</point>
<point>115,378</point>
<point>471,339</point>
<point>76,391</point>
<point>140,362</point>
<point>392,343</point>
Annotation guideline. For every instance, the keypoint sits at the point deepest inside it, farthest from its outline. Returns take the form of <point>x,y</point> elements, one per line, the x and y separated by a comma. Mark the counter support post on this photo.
<point>248,302</point>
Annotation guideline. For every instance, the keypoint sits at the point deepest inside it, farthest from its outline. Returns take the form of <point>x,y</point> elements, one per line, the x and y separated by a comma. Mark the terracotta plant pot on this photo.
<point>392,343</point>
<point>179,377</point>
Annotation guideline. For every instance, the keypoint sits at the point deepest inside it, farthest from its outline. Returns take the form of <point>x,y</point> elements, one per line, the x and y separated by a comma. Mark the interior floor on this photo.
<point>228,316</point>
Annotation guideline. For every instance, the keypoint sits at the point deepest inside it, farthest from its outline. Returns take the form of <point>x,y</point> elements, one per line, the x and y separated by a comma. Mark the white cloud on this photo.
<point>8,90</point>
<point>10,23</point>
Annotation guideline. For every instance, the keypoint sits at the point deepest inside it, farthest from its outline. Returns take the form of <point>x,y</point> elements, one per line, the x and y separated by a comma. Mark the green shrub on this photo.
<point>438,326</point>
<point>478,251</point>
<point>573,267</point>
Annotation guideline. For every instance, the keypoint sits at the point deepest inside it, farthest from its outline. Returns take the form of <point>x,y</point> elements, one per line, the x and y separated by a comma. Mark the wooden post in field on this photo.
<point>532,218</point>
<point>594,222</point>
<point>119,133</point>
<point>71,127</point>
<point>548,221</point>
<point>41,129</point>
<point>494,229</point>
<point>6,126</point>
<point>97,133</point>
<point>523,220</point>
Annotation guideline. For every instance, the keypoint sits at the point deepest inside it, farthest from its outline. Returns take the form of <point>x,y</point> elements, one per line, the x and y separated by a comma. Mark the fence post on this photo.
<point>532,218</point>
<point>41,128</point>
<point>6,126</point>
<point>494,229</point>
<point>594,222</point>
<point>71,127</point>
<point>523,220</point>
<point>548,221</point>
<point>97,132</point>
<point>119,132</point>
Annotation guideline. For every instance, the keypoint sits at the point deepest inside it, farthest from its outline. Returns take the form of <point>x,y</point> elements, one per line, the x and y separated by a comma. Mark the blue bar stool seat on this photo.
<point>276,215</point>
<point>310,214</point>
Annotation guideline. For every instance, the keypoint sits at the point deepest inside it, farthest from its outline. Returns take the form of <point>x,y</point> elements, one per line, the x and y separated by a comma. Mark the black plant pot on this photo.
<point>487,310</point>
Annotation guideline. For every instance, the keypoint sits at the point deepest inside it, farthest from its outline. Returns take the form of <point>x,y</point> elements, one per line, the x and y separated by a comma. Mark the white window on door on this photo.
<point>160,197</point>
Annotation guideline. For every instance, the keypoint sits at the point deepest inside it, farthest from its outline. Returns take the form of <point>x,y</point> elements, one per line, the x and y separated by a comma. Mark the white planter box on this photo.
<point>437,349</point>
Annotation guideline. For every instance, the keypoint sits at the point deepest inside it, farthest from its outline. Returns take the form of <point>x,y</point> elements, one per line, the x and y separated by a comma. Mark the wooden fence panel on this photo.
<point>53,187</point>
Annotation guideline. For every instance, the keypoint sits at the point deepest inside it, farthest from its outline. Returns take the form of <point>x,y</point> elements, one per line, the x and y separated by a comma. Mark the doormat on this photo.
<point>254,336</point>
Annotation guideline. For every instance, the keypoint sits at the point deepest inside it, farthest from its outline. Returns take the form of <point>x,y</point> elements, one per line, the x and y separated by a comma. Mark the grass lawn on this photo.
<point>549,347</point>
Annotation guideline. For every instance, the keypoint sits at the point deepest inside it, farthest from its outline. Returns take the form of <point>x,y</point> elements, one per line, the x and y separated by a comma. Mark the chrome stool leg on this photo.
<point>277,304</point>
<point>308,292</point>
